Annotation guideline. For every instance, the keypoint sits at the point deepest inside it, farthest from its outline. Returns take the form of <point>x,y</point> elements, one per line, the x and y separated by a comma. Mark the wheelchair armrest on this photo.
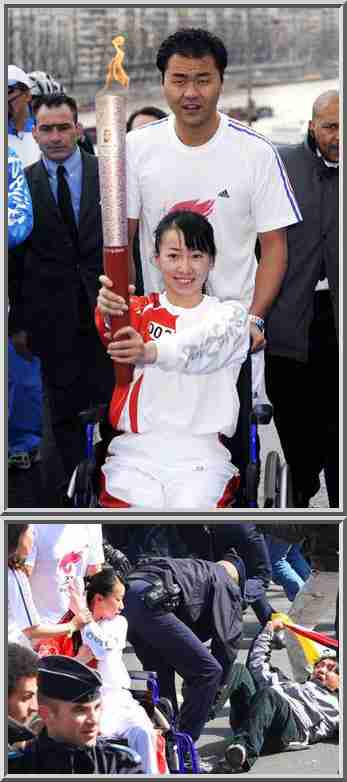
<point>261,413</point>
<point>125,750</point>
<point>93,415</point>
<point>142,675</point>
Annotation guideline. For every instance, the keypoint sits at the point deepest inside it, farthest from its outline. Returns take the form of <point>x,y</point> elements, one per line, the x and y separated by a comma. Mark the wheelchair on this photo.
<point>84,487</point>
<point>179,745</point>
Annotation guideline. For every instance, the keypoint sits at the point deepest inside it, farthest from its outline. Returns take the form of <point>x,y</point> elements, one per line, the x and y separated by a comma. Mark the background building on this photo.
<point>278,43</point>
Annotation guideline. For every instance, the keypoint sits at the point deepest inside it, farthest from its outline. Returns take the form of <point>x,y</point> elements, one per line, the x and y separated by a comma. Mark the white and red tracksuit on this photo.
<point>169,455</point>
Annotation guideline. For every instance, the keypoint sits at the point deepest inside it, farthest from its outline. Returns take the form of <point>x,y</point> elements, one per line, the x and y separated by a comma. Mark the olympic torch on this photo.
<point>111,109</point>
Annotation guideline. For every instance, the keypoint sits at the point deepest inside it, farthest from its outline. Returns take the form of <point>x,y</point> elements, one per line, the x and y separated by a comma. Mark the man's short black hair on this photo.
<point>22,661</point>
<point>55,100</point>
<point>192,42</point>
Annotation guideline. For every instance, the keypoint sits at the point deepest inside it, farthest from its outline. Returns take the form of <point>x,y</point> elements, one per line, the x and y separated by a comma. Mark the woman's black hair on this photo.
<point>14,531</point>
<point>150,111</point>
<point>102,583</point>
<point>197,231</point>
<point>195,43</point>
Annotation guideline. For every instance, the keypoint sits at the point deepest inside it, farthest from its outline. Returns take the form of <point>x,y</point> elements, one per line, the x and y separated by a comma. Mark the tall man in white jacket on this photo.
<point>201,159</point>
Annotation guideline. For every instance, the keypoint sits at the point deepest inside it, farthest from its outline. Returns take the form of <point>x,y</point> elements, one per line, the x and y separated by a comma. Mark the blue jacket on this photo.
<point>20,212</point>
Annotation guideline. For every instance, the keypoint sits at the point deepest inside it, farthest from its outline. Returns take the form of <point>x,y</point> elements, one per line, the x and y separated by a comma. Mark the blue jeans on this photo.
<point>24,402</point>
<point>289,567</point>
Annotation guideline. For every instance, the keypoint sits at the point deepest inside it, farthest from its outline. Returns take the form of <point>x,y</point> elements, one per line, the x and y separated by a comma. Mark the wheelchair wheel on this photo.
<point>85,491</point>
<point>272,481</point>
<point>286,492</point>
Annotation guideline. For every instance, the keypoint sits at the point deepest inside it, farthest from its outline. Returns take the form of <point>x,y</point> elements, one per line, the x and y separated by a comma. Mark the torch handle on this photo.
<point>116,268</point>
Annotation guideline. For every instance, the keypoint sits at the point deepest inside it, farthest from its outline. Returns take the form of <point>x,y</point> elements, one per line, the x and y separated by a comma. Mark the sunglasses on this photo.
<point>15,87</point>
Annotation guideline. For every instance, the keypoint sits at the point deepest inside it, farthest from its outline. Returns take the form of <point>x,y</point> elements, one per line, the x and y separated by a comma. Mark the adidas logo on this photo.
<point>223,194</point>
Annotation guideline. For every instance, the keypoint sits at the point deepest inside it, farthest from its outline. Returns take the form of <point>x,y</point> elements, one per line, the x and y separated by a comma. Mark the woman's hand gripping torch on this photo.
<point>111,110</point>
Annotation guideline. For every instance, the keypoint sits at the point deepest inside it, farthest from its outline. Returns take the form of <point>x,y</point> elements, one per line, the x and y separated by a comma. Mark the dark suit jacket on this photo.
<point>51,277</point>
<point>311,243</point>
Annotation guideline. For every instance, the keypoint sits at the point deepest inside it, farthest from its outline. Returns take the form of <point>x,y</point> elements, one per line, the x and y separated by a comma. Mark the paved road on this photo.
<point>269,441</point>
<point>319,761</point>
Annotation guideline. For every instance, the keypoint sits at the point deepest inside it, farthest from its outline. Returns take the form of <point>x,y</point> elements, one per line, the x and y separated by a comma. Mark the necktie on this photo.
<point>68,215</point>
<point>65,204</point>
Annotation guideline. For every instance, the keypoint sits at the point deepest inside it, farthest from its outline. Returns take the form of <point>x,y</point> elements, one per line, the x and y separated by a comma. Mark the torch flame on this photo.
<point>115,71</point>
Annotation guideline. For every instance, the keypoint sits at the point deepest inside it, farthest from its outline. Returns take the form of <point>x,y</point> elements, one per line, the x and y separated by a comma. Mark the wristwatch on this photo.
<point>258,322</point>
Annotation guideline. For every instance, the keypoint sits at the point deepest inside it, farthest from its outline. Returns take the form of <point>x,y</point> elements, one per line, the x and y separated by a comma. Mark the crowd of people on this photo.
<point>76,601</point>
<point>232,243</point>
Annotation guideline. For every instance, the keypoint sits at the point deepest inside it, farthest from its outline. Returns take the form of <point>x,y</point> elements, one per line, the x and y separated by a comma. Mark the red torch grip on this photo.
<point>116,268</point>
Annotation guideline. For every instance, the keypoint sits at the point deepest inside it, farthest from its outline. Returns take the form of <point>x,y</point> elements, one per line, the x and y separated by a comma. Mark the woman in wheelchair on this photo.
<point>103,639</point>
<point>187,349</point>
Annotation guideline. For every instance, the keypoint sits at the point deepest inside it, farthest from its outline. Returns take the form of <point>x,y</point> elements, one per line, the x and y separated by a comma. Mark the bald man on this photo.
<point>302,342</point>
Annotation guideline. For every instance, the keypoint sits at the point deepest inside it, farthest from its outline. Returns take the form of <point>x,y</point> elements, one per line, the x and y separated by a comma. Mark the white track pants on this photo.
<point>168,473</point>
<point>124,718</point>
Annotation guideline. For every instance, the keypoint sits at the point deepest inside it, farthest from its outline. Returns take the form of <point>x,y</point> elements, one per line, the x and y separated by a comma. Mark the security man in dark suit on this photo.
<point>302,352</point>
<point>54,276</point>
<point>173,606</point>
<point>70,707</point>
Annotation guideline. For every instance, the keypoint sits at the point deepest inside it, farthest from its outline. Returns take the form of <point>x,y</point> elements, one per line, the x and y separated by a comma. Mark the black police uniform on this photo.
<point>66,679</point>
<point>45,755</point>
<point>215,542</point>
<point>211,542</point>
<point>169,641</point>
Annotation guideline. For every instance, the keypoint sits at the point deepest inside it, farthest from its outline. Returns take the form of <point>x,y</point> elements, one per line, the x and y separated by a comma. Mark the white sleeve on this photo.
<point>96,551</point>
<point>133,189</point>
<point>220,340</point>
<point>103,637</point>
<point>273,202</point>
<point>21,607</point>
<point>31,559</point>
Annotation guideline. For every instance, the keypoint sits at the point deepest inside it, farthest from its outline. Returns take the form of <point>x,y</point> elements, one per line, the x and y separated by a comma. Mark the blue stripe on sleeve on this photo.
<point>287,186</point>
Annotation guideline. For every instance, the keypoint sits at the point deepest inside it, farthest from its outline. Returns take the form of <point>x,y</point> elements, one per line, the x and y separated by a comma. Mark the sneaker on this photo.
<point>295,745</point>
<point>235,756</point>
<point>21,460</point>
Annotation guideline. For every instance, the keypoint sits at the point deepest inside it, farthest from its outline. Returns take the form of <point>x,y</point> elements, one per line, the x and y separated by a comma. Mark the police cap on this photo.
<point>66,679</point>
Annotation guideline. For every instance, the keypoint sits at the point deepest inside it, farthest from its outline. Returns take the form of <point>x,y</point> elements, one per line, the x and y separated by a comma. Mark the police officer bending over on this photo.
<point>70,707</point>
<point>172,607</point>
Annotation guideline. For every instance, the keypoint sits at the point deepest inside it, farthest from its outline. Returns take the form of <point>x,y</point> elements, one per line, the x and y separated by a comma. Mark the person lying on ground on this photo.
<point>284,714</point>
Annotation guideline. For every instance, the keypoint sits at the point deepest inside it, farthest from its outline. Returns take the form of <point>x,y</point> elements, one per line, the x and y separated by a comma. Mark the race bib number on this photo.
<point>156,330</point>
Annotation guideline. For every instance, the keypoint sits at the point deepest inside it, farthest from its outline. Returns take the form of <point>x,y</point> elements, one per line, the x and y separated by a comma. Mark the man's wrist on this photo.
<point>258,322</point>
